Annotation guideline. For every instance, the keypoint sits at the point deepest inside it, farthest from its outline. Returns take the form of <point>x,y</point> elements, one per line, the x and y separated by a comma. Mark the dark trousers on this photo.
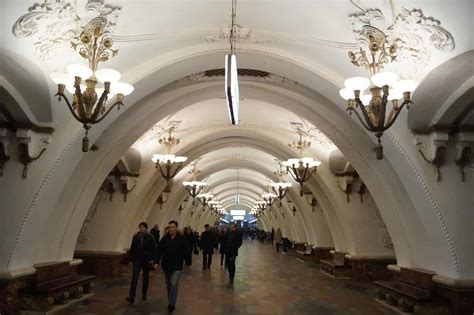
<point>231,266</point>
<point>206,259</point>
<point>137,266</point>
<point>224,259</point>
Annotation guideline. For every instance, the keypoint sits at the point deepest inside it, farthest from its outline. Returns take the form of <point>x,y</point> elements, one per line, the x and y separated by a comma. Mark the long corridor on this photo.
<point>266,282</point>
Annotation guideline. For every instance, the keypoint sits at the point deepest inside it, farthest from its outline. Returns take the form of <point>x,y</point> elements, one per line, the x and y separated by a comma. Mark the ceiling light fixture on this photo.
<point>205,198</point>
<point>302,168</point>
<point>169,164</point>
<point>383,86</point>
<point>89,102</point>
<point>194,187</point>
<point>281,188</point>
<point>231,76</point>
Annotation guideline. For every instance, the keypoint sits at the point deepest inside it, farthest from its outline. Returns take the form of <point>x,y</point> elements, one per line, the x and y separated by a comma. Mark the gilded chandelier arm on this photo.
<point>396,114</point>
<point>364,113</point>
<point>295,178</point>
<point>158,165</point>
<point>178,168</point>
<point>61,95</point>
<point>312,172</point>
<point>381,117</point>
<point>80,101</point>
<point>360,118</point>
<point>100,106</point>
<point>118,103</point>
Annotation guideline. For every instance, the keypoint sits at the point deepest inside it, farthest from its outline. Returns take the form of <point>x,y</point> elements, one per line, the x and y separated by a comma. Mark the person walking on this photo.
<point>187,233</point>
<point>142,252</point>
<point>155,231</point>
<point>208,243</point>
<point>232,250</point>
<point>223,237</point>
<point>278,239</point>
<point>173,251</point>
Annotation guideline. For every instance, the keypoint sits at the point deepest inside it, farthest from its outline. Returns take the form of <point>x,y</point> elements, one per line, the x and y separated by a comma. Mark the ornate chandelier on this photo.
<point>302,168</point>
<point>205,198</point>
<point>89,102</point>
<point>214,205</point>
<point>169,164</point>
<point>281,188</point>
<point>383,86</point>
<point>194,187</point>
<point>261,204</point>
<point>269,198</point>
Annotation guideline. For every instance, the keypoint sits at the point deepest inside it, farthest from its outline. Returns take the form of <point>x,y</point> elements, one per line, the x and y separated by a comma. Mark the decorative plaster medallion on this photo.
<point>386,239</point>
<point>57,22</point>
<point>412,32</point>
<point>84,235</point>
<point>314,133</point>
<point>242,34</point>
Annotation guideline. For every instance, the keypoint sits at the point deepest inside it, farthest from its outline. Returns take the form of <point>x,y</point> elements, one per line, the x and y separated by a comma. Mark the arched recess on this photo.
<point>445,94</point>
<point>24,90</point>
<point>385,184</point>
<point>136,135</point>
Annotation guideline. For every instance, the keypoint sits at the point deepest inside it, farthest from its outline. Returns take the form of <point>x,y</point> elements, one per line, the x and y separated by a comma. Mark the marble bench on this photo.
<point>55,284</point>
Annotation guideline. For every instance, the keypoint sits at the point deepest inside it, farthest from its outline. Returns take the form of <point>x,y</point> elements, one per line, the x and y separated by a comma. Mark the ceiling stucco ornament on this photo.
<point>386,239</point>
<point>84,235</point>
<point>275,78</point>
<point>57,22</point>
<point>315,134</point>
<point>241,34</point>
<point>411,31</point>
<point>152,134</point>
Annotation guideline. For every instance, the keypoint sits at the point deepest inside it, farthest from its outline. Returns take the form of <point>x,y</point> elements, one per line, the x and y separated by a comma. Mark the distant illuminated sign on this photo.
<point>237,212</point>
<point>238,217</point>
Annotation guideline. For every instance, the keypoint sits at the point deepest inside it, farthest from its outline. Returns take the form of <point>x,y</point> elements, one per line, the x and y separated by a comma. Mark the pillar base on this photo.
<point>371,268</point>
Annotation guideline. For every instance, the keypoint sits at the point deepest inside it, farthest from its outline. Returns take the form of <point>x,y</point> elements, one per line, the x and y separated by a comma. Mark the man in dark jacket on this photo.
<point>232,250</point>
<point>208,243</point>
<point>172,251</point>
<point>142,253</point>
<point>155,231</point>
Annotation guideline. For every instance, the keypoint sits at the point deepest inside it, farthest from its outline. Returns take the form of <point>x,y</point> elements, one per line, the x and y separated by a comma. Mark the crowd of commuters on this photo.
<point>173,252</point>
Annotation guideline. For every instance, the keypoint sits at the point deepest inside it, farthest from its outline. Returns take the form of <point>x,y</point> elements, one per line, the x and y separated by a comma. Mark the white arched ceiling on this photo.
<point>415,216</point>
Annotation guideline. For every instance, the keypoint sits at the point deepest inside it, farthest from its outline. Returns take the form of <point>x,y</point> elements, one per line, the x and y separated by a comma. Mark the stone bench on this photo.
<point>55,284</point>
<point>409,298</point>
<point>336,269</point>
<point>412,291</point>
<point>305,254</point>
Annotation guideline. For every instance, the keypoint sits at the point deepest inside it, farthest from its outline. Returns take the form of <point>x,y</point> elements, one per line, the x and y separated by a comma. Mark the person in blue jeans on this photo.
<point>142,251</point>
<point>173,251</point>
<point>234,242</point>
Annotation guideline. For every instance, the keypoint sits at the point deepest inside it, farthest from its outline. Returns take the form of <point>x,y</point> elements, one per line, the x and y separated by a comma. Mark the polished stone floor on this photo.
<point>266,283</point>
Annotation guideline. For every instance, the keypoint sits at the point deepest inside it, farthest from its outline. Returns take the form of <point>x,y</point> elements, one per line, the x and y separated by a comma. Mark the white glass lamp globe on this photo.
<point>357,83</point>
<point>107,75</point>
<point>121,88</point>
<point>384,78</point>
<point>346,93</point>
<point>62,78</point>
<point>366,99</point>
<point>81,71</point>
<point>406,85</point>
<point>395,94</point>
